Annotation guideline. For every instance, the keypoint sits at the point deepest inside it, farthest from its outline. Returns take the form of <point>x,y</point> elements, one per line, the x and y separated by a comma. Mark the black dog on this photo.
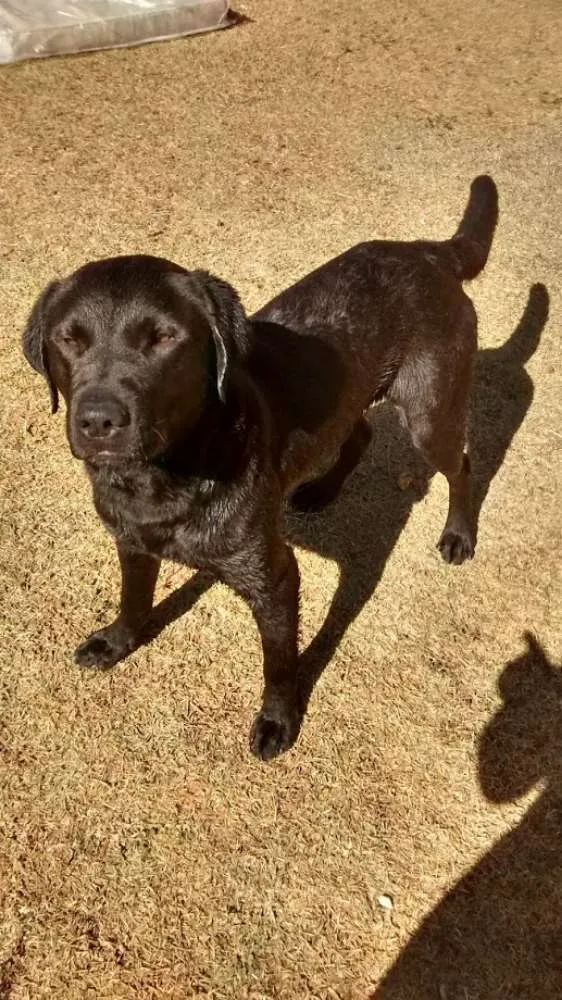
<point>195,422</point>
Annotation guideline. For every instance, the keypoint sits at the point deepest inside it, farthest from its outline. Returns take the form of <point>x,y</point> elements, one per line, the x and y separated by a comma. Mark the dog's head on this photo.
<point>138,347</point>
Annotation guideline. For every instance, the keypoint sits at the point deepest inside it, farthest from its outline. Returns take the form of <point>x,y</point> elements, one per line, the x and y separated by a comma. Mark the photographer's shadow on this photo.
<point>360,529</point>
<point>498,933</point>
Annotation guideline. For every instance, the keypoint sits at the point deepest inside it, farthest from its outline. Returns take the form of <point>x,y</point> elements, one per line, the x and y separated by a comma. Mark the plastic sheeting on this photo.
<point>33,28</point>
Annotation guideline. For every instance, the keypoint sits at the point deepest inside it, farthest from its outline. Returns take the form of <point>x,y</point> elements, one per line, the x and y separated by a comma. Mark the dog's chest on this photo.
<point>190,526</point>
<point>184,542</point>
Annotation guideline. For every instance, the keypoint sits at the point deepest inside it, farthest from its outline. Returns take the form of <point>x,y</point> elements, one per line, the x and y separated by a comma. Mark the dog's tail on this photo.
<point>470,246</point>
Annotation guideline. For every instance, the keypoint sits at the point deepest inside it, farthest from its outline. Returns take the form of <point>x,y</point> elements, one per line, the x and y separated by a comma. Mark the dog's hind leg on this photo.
<point>457,538</point>
<point>435,406</point>
<point>440,438</point>
<point>320,492</point>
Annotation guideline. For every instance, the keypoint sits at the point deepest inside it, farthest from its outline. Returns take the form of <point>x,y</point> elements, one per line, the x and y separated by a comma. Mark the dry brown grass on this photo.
<point>143,852</point>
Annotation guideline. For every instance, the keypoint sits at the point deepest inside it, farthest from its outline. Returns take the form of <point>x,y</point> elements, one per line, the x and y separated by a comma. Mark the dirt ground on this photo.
<point>143,851</point>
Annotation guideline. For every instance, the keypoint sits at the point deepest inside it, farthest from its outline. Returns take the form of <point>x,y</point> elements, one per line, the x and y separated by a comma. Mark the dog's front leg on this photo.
<point>139,573</point>
<point>267,577</point>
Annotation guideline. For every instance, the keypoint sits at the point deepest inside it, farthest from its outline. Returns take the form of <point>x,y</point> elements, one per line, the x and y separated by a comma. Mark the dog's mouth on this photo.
<point>124,450</point>
<point>141,446</point>
<point>107,458</point>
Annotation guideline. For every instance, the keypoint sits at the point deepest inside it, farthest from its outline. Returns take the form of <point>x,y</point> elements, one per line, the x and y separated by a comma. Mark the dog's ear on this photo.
<point>223,358</point>
<point>33,341</point>
<point>221,307</point>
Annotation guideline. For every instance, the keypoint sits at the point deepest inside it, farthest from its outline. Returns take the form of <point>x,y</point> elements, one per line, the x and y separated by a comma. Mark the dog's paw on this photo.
<point>272,734</point>
<point>105,648</point>
<point>456,546</point>
<point>311,497</point>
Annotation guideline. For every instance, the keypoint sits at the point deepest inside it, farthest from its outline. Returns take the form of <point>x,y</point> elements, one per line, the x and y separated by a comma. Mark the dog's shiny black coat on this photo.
<point>195,422</point>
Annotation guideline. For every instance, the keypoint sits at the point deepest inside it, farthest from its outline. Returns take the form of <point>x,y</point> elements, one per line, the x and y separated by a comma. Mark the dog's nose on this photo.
<point>101,415</point>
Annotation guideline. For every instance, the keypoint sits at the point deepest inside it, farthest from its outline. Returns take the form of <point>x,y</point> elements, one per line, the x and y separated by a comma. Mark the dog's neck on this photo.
<point>214,449</point>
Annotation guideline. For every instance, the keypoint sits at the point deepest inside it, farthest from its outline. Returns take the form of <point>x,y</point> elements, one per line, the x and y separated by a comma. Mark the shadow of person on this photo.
<point>359,530</point>
<point>497,934</point>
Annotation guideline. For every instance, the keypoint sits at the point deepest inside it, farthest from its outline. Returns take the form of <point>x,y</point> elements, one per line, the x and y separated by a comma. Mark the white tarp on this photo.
<point>33,28</point>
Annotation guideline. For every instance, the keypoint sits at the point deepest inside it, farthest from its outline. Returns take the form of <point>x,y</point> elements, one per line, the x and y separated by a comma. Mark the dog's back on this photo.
<point>383,315</point>
<point>374,291</point>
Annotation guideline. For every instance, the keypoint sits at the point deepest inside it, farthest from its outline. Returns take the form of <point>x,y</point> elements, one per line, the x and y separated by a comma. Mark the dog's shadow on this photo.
<point>360,529</point>
<point>497,933</point>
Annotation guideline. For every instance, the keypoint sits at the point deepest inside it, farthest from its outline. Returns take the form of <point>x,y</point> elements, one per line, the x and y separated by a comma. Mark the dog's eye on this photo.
<point>163,338</point>
<point>150,336</point>
<point>71,341</point>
